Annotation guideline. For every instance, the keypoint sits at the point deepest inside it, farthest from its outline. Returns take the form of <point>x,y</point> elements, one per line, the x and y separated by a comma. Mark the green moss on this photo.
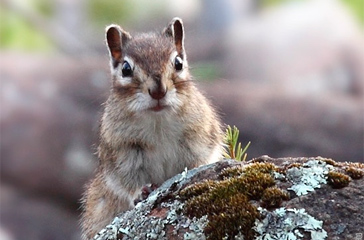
<point>297,165</point>
<point>261,167</point>
<point>273,197</point>
<point>227,202</point>
<point>329,161</point>
<point>198,189</point>
<point>338,180</point>
<point>354,173</point>
<point>231,172</point>
<point>235,215</point>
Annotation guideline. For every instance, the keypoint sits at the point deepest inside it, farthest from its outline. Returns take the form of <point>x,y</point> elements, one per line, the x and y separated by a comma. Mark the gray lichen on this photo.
<point>109,232</point>
<point>196,227</point>
<point>308,177</point>
<point>288,224</point>
<point>138,223</point>
<point>162,214</point>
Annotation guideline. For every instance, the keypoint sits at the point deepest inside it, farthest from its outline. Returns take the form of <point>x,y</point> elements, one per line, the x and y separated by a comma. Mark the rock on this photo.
<point>27,216</point>
<point>280,123</point>
<point>299,48</point>
<point>265,198</point>
<point>49,120</point>
<point>295,81</point>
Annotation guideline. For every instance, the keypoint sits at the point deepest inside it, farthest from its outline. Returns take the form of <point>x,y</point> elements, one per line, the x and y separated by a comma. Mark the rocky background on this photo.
<point>290,77</point>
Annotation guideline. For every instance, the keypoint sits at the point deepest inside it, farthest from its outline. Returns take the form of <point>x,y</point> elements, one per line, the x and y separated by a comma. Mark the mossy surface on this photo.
<point>329,161</point>
<point>231,203</point>
<point>338,180</point>
<point>272,197</point>
<point>354,173</point>
<point>227,202</point>
<point>248,207</point>
<point>297,165</point>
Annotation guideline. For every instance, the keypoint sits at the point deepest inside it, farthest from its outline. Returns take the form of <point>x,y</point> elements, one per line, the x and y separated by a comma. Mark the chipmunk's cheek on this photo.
<point>139,102</point>
<point>173,100</point>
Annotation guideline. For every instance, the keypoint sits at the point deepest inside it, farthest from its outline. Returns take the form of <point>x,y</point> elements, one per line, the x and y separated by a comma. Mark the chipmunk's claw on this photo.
<point>146,190</point>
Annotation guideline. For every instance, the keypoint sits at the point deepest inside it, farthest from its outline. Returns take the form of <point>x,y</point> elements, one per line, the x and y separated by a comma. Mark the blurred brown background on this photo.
<point>288,74</point>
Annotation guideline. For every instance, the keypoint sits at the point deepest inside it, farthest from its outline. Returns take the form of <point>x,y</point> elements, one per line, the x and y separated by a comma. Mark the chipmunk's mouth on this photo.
<point>158,107</point>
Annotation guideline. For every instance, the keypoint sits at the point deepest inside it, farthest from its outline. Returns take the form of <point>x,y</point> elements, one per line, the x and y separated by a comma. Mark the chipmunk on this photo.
<point>155,124</point>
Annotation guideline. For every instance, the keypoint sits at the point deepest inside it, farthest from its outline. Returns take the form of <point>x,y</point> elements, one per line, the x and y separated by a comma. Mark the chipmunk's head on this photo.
<point>150,71</point>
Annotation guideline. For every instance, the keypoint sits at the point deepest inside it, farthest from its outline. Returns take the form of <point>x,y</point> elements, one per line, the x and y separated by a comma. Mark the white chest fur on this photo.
<point>158,154</point>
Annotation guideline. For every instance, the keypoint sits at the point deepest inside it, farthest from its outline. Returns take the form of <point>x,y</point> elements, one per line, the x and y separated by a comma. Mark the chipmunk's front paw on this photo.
<point>146,190</point>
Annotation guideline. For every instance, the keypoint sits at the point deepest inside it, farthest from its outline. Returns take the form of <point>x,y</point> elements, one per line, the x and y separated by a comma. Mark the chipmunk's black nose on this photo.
<point>157,93</point>
<point>160,90</point>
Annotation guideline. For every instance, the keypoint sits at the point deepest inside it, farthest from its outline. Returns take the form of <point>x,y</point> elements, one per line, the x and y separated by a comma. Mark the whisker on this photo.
<point>181,82</point>
<point>182,93</point>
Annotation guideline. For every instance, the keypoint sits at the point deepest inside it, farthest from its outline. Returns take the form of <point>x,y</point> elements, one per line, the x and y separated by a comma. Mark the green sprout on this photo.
<point>234,150</point>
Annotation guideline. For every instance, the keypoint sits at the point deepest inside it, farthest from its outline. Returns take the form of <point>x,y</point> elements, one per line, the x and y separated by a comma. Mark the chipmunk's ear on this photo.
<point>116,38</point>
<point>176,32</point>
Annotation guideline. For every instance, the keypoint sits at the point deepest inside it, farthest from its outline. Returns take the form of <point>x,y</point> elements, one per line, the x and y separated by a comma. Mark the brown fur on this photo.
<point>139,145</point>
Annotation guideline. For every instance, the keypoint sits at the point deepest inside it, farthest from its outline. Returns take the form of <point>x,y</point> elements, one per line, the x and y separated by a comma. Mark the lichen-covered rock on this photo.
<point>265,198</point>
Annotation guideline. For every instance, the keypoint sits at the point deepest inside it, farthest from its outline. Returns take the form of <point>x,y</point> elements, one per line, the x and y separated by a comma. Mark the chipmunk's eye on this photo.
<point>178,63</point>
<point>126,69</point>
